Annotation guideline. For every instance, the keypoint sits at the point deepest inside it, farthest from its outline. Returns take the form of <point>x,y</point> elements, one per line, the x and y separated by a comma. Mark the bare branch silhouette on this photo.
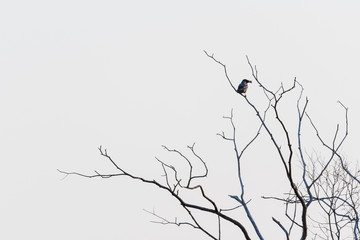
<point>329,186</point>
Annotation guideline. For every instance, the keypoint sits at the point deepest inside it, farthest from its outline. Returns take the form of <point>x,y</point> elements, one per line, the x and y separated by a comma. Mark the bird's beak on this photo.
<point>250,81</point>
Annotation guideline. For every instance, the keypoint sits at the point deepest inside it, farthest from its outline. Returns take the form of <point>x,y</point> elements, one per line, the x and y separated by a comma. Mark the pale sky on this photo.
<point>131,76</point>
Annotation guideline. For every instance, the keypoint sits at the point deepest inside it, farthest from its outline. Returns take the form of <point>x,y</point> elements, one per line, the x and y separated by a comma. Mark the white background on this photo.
<point>131,76</point>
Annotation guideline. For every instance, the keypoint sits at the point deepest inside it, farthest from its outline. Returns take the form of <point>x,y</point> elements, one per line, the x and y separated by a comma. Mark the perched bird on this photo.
<point>243,86</point>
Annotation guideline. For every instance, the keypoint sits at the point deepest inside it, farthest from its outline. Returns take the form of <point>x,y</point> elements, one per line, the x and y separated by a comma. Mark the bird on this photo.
<point>243,86</point>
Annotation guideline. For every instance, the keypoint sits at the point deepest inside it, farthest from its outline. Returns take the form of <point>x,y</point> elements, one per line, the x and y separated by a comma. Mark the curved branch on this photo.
<point>182,202</point>
<point>282,228</point>
<point>223,65</point>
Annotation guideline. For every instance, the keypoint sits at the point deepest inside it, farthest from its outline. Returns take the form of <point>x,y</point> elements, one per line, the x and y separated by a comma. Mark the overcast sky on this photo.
<point>131,76</point>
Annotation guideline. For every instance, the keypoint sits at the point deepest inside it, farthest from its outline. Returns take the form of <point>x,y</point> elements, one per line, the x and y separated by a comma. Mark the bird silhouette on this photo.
<point>243,86</point>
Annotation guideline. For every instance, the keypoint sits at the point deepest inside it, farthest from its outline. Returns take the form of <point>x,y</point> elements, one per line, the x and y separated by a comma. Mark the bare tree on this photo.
<point>337,194</point>
<point>328,186</point>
